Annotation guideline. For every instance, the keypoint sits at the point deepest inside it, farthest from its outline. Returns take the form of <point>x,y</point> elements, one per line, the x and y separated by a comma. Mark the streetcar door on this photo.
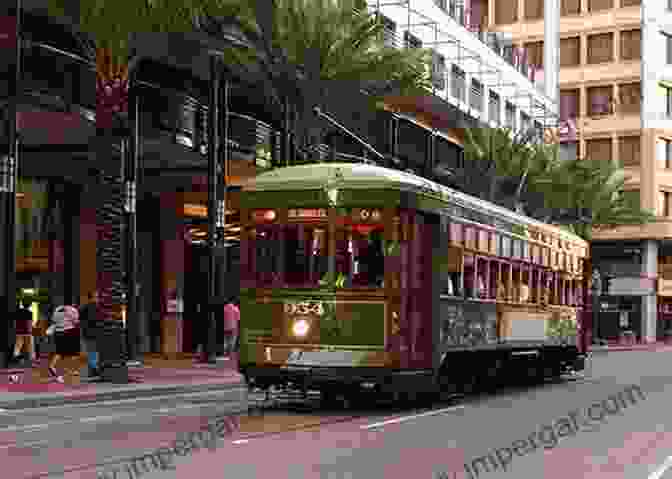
<point>420,284</point>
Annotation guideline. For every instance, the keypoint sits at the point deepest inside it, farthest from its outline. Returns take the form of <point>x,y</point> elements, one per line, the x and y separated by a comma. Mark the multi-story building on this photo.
<point>616,102</point>
<point>477,83</point>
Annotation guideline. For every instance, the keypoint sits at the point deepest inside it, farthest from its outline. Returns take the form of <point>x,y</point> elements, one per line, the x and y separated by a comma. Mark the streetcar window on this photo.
<point>297,256</point>
<point>360,258</point>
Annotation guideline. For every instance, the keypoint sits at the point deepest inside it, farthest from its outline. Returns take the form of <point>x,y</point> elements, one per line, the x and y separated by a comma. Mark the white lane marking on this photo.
<point>401,419</point>
<point>241,441</point>
<point>95,419</point>
<point>658,473</point>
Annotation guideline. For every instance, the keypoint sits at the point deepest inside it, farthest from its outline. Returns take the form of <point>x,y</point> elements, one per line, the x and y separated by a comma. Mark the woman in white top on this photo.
<point>65,328</point>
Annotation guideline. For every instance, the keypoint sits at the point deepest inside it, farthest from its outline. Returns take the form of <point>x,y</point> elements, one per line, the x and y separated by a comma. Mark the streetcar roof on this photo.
<point>363,176</point>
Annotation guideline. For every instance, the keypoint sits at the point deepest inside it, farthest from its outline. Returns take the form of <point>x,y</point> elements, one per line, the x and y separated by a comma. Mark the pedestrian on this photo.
<point>65,329</point>
<point>231,320</point>
<point>88,316</point>
<point>24,332</point>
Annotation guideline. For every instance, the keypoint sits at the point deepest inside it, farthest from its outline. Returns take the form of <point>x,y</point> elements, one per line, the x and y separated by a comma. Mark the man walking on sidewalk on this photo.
<point>90,328</point>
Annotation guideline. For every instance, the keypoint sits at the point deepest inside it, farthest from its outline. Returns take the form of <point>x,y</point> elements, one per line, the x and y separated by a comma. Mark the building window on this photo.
<point>458,83</point>
<point>668,99</point>
<point>535,54</point>
<point>493,108</point>
<point>630,98</point>
<point>597,5</point>
<point>411,41</point>
<point>506,12</point>
<point>441,4</point>
<point>630,3</point>
<point>600,48</point>
<point>534,9</point>
<point>570,52</point>
<point>600,100</point>
<point>389,32</point>
<point>631,45</point>
<point>438,71</point>
<point>476,97</point>
<point>668,48</point>
<point>665,204</point>
<point>599,150</point>
<point>628,150</point>
<point>525,121</point>
<point>569,104</point>
<point>666,154</point>
<point>570,7</point>
<point>510,115</point>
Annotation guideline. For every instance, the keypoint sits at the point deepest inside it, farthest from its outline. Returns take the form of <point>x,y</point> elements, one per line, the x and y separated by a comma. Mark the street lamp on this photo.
<point>596,288</point>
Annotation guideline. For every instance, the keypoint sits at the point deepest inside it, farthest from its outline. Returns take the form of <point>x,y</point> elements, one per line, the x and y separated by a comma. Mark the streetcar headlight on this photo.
<point>300,328</point>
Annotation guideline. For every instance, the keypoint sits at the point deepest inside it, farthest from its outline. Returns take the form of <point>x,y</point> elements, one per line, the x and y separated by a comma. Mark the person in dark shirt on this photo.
<point>89,328</point>
<point>24,331</point>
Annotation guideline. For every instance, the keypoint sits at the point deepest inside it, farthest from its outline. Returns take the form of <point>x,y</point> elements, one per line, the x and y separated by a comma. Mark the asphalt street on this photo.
<point>633,441</point>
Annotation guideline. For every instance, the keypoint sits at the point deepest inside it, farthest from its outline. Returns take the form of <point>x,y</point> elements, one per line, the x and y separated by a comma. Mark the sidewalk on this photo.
<point>159,376</point>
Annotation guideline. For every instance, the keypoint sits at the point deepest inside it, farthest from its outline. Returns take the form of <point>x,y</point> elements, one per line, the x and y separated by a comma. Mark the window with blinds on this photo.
<point>600,48</point>
<point>525,121</point>
<point>476,95</point>
<point>570,7</point>
<point>438,71</point>
<point>570,51</point>
<point>493,108</point>
<point>534,9</point>
<point>510,115</point>
<point>597,5</point>
<point>668,48</point>
<point>458,83</point>
<point>599,149</point>
<point>389,32</point>
<point>628,150</point>
<point>631,44</point>
<point>569,104</point>
<point>411,41</point>
<point>600,100</point>
<point>667,154</point>
<point>506,12</point>
<point>630,98</point>
<point>664,203</point>
<point>535,54</point>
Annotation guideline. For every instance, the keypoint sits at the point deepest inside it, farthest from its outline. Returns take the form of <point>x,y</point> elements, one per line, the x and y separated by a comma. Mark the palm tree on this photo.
<point>592,186</point>
<point>306,52</point>
<point>109,26</point>
<point>510,161</point>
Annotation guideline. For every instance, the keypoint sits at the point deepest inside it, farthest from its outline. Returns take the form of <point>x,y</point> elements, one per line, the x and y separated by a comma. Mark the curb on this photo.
<point>611,349</point>
<point>32,401</point>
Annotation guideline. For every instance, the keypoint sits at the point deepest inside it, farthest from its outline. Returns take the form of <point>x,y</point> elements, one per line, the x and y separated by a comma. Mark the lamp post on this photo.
<point>10,38</point>
<point>596,288</point>
<point>213,180</point>
<point>130,201</point>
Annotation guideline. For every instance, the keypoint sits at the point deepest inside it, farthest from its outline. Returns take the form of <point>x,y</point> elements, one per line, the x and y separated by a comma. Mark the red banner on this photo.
<point>8,32</point>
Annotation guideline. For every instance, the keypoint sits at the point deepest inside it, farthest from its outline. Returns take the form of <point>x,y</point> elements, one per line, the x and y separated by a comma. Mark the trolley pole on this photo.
<point>10,40</point>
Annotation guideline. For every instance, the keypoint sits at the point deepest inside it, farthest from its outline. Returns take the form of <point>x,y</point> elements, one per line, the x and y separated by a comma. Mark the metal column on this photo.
<point>213,156</point>
<point>552,50</point>
<point>9,159</point>
<point>130,208</point>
